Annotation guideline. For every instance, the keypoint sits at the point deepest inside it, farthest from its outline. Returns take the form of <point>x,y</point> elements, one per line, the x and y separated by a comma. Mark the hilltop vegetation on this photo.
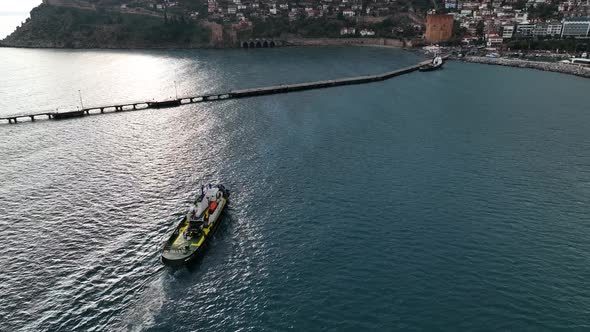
<point>393,27</point>
<point>51,26</point>
<point>202,23</point>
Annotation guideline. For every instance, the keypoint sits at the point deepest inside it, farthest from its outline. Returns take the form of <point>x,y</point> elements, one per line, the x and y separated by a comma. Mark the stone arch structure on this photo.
<point>261,43</point>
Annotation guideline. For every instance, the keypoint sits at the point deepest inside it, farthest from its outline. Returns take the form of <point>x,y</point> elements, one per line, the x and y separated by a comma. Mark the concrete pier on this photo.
<point>120,107</point>
<point>33,117</point>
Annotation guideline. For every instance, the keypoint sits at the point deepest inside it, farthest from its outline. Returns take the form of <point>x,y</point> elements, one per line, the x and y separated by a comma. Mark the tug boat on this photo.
<point>197,227</point>
<point>436,63</point>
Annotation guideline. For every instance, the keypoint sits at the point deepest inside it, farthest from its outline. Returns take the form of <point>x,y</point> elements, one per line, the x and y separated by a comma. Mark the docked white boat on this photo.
<point>436,63</point>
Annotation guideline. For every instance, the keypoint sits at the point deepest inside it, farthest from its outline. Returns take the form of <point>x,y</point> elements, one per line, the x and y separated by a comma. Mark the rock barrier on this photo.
<point>564,68</point>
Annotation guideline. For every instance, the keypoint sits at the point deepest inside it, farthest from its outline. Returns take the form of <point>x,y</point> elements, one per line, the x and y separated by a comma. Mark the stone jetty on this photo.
<point>546,66</point>
<point>233,94</point>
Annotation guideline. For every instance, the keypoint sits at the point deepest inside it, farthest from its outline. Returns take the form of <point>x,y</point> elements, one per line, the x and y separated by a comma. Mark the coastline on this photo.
<point>289,42</point>
<point>360,41</point>
<point>557,67</point>
<point>119,48</point>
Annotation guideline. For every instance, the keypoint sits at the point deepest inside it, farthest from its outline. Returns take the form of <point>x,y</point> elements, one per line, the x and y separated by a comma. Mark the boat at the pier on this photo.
<point>197,227</point>
<point>436,63</point>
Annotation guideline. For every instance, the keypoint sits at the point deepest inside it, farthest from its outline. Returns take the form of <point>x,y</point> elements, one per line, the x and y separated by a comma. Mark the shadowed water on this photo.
<point>450,200</point>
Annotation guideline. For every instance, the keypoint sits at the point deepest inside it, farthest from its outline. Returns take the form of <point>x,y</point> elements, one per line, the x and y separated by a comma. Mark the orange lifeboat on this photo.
<point>212,206</point>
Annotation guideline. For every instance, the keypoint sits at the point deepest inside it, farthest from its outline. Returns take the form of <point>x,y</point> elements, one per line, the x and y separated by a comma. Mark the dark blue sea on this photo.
<point>455,200</point>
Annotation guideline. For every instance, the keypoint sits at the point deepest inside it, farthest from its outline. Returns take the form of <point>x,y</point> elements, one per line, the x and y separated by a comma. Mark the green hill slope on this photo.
<point>62,27</point>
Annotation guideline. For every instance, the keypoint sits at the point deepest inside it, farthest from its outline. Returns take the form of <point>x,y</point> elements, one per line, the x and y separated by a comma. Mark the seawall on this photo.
<point>546,66</point>
<point>390,42</point>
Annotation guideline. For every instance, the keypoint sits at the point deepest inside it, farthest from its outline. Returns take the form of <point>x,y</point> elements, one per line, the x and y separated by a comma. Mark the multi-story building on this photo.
<point>439,27</point>
<point>547,29</point>
<point>525,29</point>
<point>507,31</point>
<point>575,27</point>
<point>540,29</point>
<point>494,40</point>
<point>451,4</point>
<point>554,29</point>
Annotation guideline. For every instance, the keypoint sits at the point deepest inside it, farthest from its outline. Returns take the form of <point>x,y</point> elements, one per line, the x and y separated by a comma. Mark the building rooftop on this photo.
<point>577,19</point>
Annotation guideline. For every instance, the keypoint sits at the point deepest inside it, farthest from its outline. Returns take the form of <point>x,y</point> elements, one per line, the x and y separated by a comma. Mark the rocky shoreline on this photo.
<point>385,42</point>
<point>563,68</point>
<point>107,44</point>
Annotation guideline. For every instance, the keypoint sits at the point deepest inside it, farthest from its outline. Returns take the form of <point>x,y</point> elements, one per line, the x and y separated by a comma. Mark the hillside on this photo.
<point>69,27</point>
<point>210,23</point>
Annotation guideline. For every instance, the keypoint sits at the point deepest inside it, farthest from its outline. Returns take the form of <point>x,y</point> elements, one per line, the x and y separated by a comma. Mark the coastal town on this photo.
<point>494,22</point>
<point>498,23</point>
<point>465,27</point>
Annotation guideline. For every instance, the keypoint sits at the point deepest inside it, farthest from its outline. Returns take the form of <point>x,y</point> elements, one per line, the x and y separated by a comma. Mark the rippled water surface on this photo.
<point>451,200</point>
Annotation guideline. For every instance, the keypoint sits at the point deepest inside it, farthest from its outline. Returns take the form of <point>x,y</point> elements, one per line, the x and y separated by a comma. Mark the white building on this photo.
<point>525,29</point>
<point>508,31</point>
<point>347,31</point>
<point>540,29</point>
<point>575,27</point>
<point>367,33</point>
<point>554,29</point>
<point>494,41</point>
<point>348,13</point>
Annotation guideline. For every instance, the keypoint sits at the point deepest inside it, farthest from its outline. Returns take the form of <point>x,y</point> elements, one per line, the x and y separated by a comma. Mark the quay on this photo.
<point>233,94</point>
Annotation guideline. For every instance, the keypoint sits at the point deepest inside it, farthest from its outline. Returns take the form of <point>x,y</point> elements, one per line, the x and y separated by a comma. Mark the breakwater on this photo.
<point>233,94</point>
<point>388,42</point>
<point>545,66</point>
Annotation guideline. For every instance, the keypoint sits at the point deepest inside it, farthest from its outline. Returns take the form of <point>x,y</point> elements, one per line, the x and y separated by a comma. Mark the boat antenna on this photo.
<point>199,183</point>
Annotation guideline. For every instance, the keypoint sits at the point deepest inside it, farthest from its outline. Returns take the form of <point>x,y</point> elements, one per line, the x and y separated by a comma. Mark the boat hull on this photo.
<point>192,257</point>
<point>192,234</point>
<point>429,68</point>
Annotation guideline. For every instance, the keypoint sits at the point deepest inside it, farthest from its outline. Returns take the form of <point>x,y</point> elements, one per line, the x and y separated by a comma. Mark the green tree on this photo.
<point>543,11</point>
<point>479,28</point>
<point>520,4</point>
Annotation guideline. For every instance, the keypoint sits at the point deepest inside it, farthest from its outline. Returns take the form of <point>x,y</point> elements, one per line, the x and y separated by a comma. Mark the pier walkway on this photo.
<point>130,106</point>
